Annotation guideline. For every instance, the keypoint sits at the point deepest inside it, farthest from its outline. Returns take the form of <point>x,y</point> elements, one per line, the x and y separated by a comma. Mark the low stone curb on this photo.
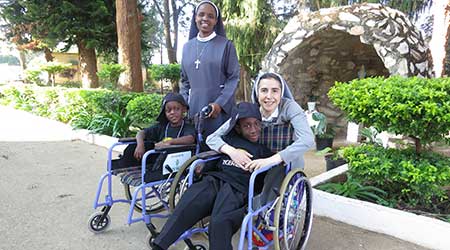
<point>421,230</point>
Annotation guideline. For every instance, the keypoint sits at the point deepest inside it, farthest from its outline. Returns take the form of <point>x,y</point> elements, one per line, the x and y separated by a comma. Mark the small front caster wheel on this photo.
<point>96,224</point>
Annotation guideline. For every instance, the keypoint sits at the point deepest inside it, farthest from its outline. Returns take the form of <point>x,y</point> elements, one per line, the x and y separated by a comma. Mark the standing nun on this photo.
<point>209,67</point>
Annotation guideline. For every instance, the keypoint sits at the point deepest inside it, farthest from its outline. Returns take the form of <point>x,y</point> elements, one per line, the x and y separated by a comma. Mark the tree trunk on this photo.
<point>22,59</point>
<point>88,66</point>
<point>175,14</point>
<point>49,58</point>
<point>129,41</point>
<point>441,29</point>
<point>48,54</point>
<point>171,53</point>
<point>243,92</point>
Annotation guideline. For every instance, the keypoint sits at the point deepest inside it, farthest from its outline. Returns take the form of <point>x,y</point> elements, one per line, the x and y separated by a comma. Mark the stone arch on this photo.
<point>339,44</point>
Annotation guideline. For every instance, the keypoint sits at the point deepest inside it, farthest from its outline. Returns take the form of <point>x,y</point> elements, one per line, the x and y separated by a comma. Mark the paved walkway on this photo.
<point>48,184</point>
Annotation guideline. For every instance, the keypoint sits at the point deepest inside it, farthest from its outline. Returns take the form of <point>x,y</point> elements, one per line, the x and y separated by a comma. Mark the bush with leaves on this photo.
<point>33,76</point>
<point>168,72</point>
<point>414,107</point>
<point>354,189</point>
<point>144,109</point>
<point>53,68</point>
<point>405,177</point>
<point>110,112</point>
<point>110,72</point>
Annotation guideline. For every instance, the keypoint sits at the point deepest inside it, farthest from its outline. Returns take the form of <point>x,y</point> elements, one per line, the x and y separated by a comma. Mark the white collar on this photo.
<point>272,116</point>
<point>206,39</point>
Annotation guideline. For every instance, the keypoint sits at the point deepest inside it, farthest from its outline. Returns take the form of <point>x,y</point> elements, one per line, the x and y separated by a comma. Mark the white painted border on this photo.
<point>421,230</point>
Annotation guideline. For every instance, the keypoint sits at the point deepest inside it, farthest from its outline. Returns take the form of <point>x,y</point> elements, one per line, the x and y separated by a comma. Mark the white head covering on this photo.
<point>285,91</point>
<point>213,4</point>
<point>218,28</point>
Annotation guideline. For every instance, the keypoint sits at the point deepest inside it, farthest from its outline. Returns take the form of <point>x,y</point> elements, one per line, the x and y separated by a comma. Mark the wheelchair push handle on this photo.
<point>206,111</point>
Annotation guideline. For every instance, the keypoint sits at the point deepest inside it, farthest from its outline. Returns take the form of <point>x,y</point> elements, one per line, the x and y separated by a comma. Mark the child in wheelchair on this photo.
<point>222,192</point>
<point>171,129</point>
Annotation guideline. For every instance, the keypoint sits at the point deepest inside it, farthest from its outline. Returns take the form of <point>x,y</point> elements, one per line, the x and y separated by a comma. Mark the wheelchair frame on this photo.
<point>100,221</point>
<point>247,227</point>
<point>99,217</point>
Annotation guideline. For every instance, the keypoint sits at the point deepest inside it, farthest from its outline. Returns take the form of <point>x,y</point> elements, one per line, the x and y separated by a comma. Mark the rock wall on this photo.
<point>340,44</point>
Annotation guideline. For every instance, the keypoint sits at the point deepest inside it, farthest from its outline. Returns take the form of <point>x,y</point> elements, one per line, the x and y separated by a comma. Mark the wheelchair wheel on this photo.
<point>153,204</point>
<point>198,245</point>
<point>96,224</point>
<point>293,212</point>
<point>149,241</point>
<point>180,183</point>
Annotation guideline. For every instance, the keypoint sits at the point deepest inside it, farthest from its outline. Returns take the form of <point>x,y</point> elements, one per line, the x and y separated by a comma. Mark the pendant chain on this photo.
<point>197,61</point>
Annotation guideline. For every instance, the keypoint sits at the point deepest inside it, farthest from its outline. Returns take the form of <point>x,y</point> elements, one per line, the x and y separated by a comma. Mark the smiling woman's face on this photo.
<point>205,19</point>
<point>269,94</point>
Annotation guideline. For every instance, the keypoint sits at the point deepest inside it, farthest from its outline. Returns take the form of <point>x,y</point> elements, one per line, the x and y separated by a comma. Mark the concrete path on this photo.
<point>48,183</point>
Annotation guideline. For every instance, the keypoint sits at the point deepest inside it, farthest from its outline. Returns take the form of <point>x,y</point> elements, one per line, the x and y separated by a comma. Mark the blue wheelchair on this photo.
<point>280,217</point>
<point>147,185</point>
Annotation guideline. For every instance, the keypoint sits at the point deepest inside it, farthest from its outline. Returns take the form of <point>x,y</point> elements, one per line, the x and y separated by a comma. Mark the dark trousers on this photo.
<point>210,196</point>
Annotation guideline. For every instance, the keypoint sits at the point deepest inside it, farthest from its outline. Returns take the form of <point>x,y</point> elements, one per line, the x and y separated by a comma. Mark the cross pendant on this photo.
<point>197,62</point>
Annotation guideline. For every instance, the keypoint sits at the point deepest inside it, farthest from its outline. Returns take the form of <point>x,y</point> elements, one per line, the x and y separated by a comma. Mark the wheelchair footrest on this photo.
<point>132,178</point>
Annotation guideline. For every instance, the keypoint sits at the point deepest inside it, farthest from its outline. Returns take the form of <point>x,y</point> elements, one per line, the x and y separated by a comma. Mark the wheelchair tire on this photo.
<point>149,241</point>
<point>293,212</point>
<point>198,245</point>
<point>179,184</point>
<point>95,225</point>
<point>153,205</point>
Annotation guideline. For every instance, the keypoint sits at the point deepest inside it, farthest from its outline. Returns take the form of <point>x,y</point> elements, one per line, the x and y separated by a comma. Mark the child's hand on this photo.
<point>139,151</point>
<point>162,144</point>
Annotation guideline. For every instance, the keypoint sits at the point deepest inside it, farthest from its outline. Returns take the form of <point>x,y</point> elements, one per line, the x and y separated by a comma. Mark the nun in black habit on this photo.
<point>209,67</point>
<point>222,193</point>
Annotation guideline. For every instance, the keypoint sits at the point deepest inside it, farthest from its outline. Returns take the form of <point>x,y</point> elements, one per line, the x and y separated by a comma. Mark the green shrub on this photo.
<point>415,107</point>
<point>53,68</point>
<point>144,109</point>
<point>33,76</point>
<point>110,72</point>
<point>46,102</point>
<point>169,72</point>
<point>405,177</point>
<point>104,111</point>
<point>354,189</point>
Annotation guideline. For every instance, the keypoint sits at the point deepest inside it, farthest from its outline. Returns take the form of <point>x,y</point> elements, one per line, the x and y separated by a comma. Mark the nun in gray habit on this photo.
<point>209,67</point>
<point>288,113</point>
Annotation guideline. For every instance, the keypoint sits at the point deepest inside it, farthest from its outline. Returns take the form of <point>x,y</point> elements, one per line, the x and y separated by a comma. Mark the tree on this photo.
<point>252,26</point>
<point>18,30</point>
<point>151,35</point>
<point>88,24</point>
<point>129,37</point>
<point>440,37</point>
<point>170,12</point>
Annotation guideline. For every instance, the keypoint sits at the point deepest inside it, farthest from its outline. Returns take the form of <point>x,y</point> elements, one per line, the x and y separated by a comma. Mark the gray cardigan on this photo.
<point>289,111</point>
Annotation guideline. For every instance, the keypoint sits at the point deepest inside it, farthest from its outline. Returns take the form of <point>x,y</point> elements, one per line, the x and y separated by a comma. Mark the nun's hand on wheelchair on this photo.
<point>216,109</point>
<point>259,163</point>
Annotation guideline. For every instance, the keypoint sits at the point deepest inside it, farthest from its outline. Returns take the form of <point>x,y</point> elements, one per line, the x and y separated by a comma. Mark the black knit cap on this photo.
<point>243,110</point>
<point>170,97</point>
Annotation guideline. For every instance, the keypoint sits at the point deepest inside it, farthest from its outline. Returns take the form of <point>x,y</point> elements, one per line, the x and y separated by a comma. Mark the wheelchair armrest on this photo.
<point>176,148</point>
<point>208,154</point>
<point>251,187</point>
<point>127,139</point>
